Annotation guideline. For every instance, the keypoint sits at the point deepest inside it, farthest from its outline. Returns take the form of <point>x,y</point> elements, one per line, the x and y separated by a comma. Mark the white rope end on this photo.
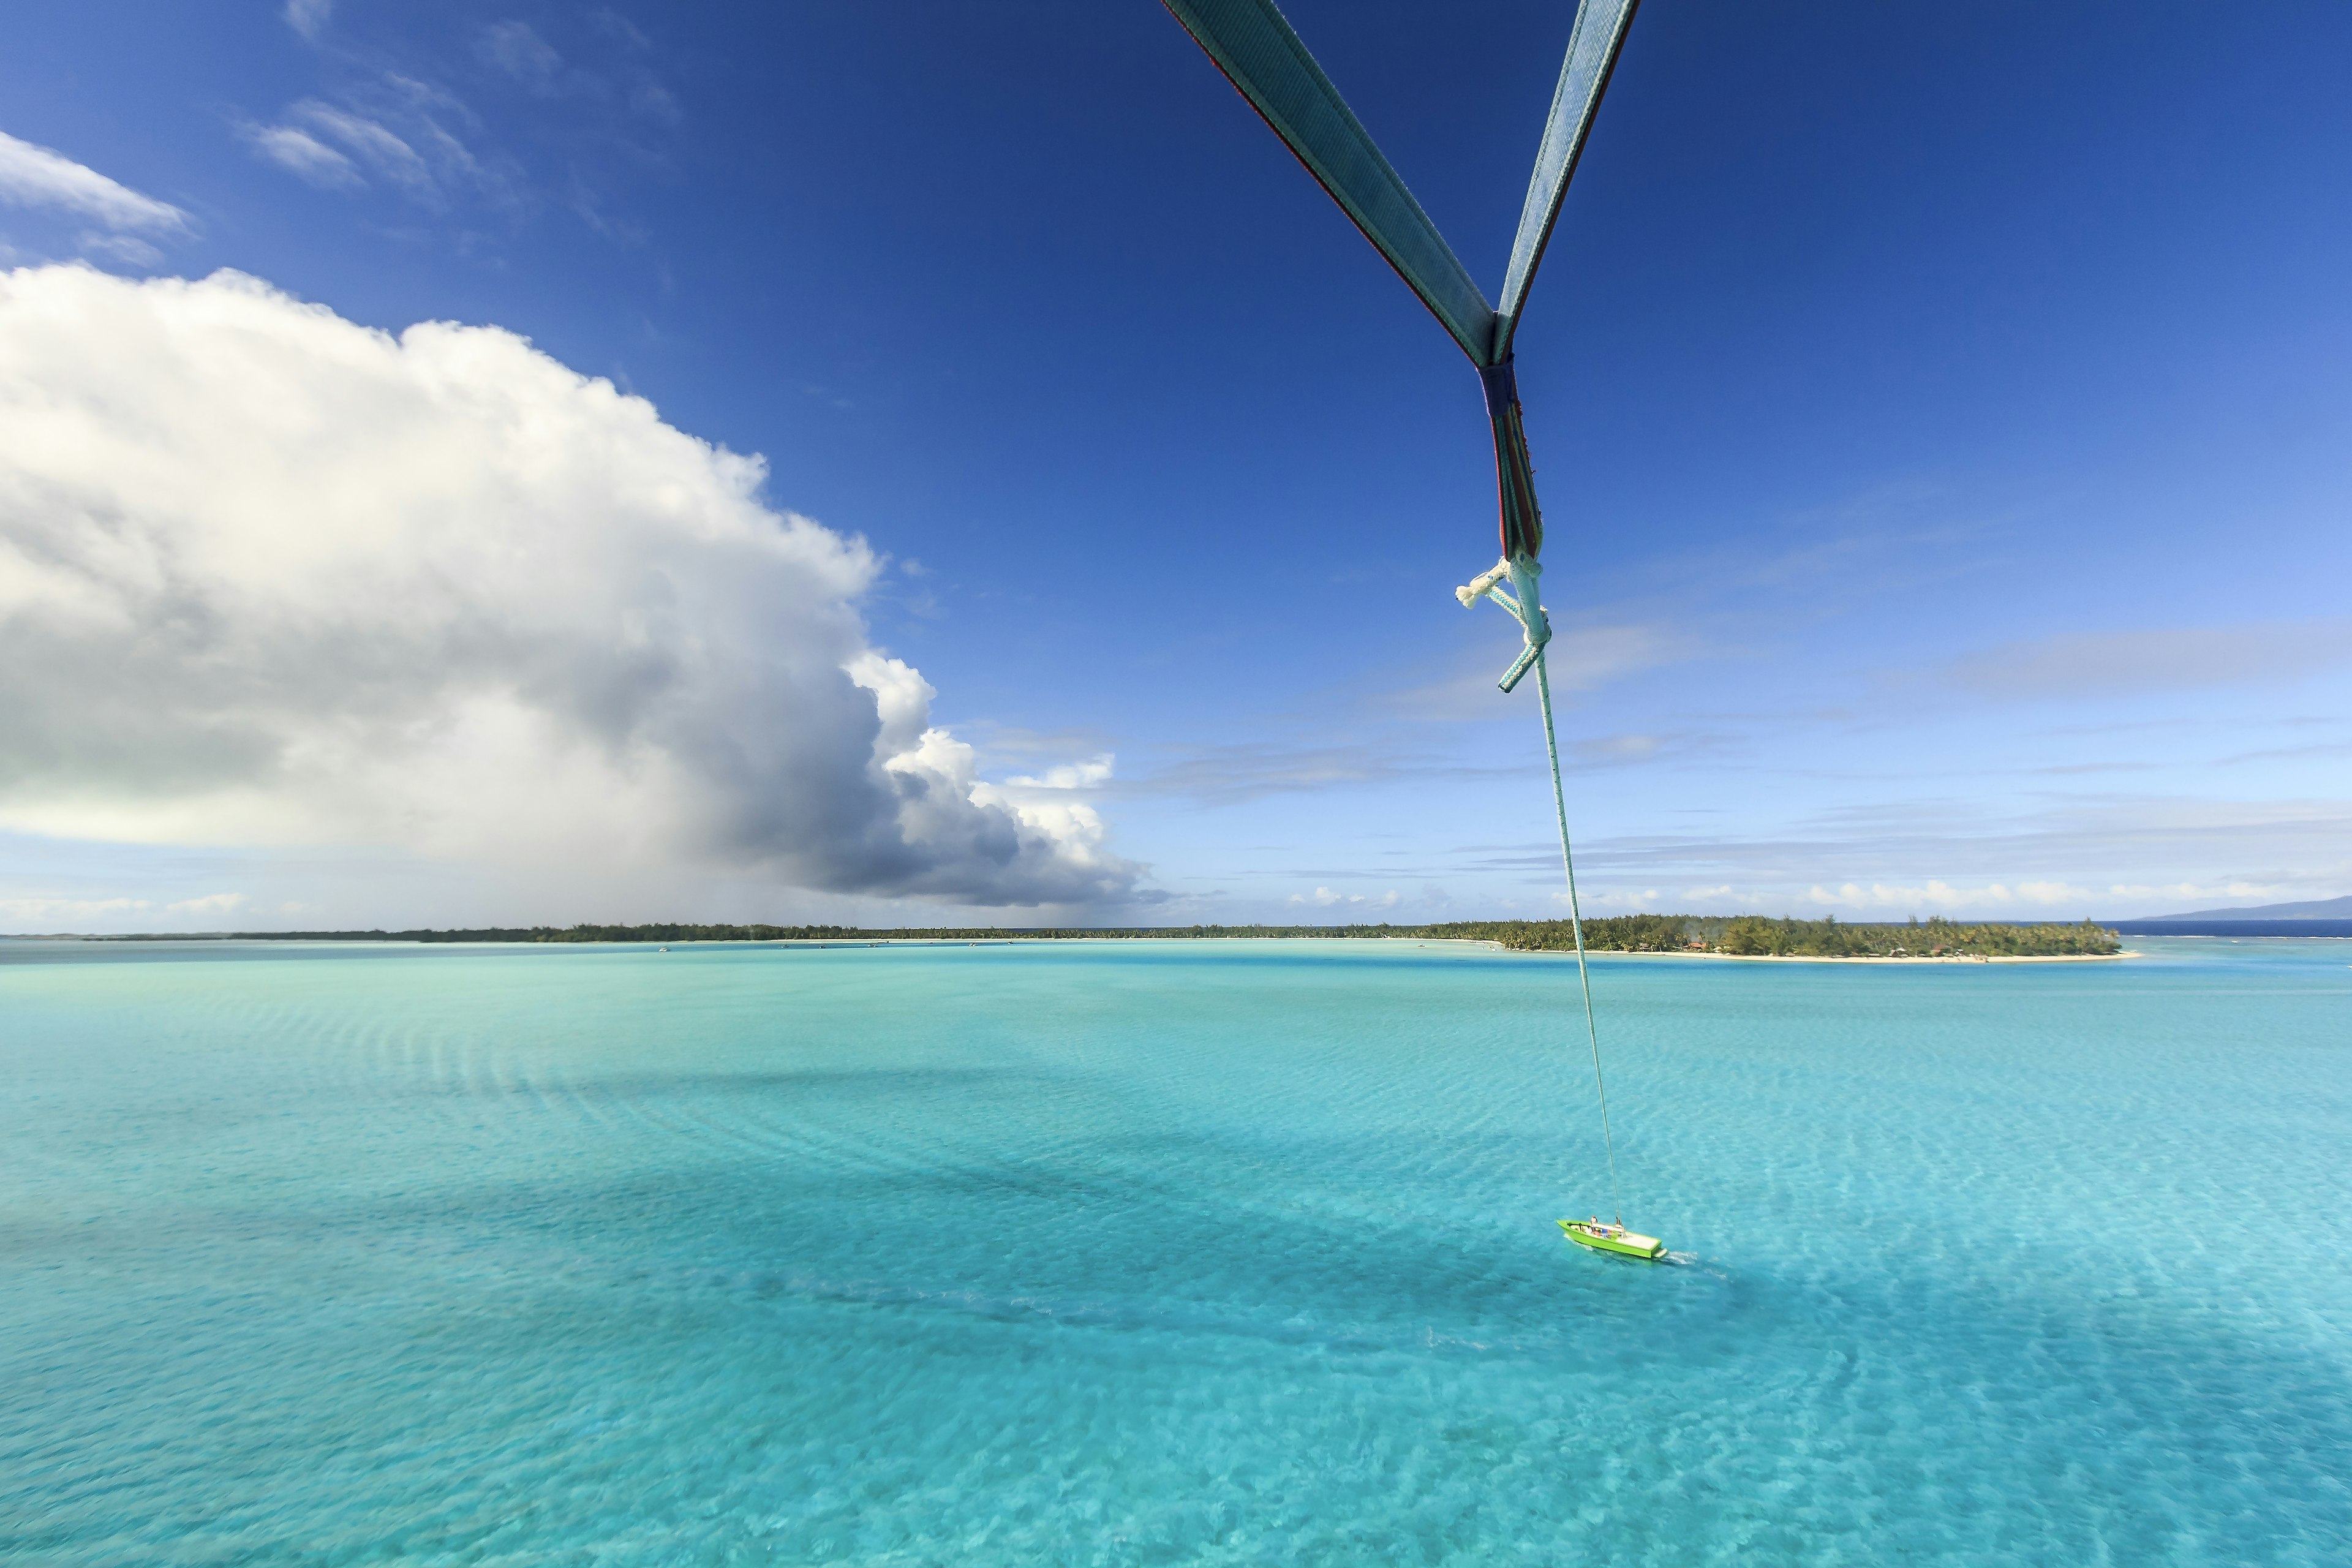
<point>1483,584</point>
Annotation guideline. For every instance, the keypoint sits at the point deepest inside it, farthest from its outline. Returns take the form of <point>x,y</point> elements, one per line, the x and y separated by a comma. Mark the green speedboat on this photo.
<point>1612,1238</point>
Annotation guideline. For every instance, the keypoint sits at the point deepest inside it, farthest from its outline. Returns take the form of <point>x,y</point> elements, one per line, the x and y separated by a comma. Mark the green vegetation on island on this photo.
<point>1754,936</point>
<point>1758,936</point>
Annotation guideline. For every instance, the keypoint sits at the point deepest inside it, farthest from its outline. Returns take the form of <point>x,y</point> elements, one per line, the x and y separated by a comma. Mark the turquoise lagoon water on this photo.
<point>1168,1253</point>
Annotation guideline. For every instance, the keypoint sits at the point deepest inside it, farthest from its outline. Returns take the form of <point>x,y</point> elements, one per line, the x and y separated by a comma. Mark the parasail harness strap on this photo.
<point>1260,53</point>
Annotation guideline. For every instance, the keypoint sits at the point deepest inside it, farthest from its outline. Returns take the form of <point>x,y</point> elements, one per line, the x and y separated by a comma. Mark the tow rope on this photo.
<point>1527,609</point>
<point>1263,58</point>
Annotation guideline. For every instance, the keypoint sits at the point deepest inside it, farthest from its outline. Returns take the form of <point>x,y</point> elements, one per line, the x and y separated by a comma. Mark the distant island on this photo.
<point>2311,918</point>
<point>1728,936</point>
<point>2311,909</point>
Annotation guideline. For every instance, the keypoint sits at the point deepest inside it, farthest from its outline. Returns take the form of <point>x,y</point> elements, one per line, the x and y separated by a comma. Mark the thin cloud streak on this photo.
<point>2260,846</point>
<point>299,152</point>
<point>385,122</point>
<point>35,177</point>
<point>307,17</point>
<point>1233,774</point>
<point>1579,659</point>
<point>2159,660</point>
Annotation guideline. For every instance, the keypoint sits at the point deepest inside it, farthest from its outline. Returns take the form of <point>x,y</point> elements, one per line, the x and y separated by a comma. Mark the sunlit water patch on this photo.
<point>1168,1253</point>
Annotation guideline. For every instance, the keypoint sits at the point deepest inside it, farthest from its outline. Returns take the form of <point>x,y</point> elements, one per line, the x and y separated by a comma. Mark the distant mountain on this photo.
<point>2315,910</point>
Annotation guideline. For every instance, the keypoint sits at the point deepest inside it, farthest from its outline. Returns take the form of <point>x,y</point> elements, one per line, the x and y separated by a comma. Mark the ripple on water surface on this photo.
<point>1167,1252</point>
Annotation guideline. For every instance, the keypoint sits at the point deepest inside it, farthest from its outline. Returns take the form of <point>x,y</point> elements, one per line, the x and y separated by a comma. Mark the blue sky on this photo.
<point>1940,415</point>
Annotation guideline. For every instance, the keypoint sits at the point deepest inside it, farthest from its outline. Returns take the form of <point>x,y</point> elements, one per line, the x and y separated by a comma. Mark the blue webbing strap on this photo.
<point>1593,47</point>
<point>1263,57</point>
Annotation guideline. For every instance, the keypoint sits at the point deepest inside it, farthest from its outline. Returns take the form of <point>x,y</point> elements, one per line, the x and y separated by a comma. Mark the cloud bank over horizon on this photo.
<point>269,577</point>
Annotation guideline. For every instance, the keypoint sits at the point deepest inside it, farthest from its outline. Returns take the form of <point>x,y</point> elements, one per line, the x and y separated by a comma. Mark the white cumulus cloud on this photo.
<point>1325,898</point>
<point>267,577</point>
<point>1937,894</point>
<point>210,904</point>
<point>1089,774</point>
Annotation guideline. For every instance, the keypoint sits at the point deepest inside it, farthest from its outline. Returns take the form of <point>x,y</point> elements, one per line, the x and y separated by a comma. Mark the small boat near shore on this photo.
<point>1612,1238</point>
